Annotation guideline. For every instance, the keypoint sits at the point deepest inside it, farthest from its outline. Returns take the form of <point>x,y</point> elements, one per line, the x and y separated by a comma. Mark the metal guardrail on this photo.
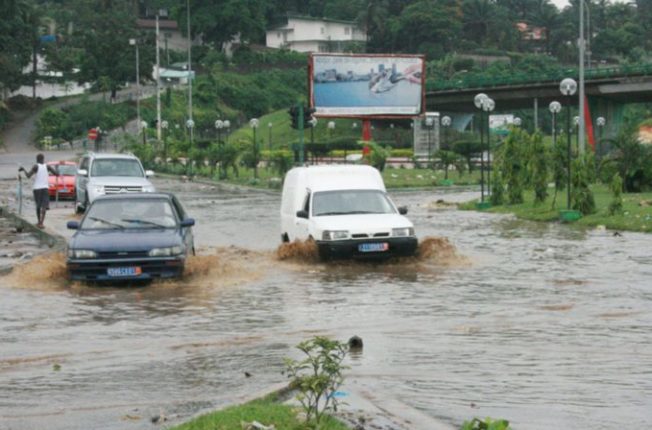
<point>520,78</point>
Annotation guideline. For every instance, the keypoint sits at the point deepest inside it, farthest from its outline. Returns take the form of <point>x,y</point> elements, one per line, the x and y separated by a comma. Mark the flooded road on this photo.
<point>545,325</point>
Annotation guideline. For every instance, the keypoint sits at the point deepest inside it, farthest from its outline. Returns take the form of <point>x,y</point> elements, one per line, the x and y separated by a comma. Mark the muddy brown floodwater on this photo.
<point>547,325</point>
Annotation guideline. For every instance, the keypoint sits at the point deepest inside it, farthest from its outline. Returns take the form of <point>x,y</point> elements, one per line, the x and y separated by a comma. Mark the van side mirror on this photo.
<point>302,214</point>
<point>402,210</point>
<point>149,173</point>
<point>188,222</point>
<point>82,172</point>
<point>72,225</point>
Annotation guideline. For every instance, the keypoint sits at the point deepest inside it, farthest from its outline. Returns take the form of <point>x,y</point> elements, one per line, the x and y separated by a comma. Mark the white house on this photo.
<point>307,34</point>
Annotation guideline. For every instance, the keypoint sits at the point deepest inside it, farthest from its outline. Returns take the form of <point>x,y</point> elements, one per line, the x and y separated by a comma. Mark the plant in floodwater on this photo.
<point>616,186</point>
<point>539,168</point>
<point>581,195</point>
<point>318,376</point>
<point>487,424</point>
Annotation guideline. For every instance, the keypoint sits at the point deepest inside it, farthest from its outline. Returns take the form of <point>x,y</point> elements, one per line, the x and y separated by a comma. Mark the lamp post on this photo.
<point>568,87</point>
<point>478,101</point>
<point>254,125</point>
<point>331,127</point>
<point>190,124</point>
<point>164,128</point>
<point>134,42</point>
<point>488,106</point>
<point>269,142</point>
<point>555,108</point>
<point>576,121</point>
<point>219,125</point>
<point>446,122</point>
<point>143,127</point>
<point>430,122</point>
<point>601,122</point>
<point>313,124</point>
<point>354,126</point>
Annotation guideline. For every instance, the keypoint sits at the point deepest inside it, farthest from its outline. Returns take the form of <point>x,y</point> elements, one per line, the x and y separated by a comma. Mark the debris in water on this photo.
<point>247,375</point>
<point>562,307</point>
<point>355,343</point>
<point>56,367</point>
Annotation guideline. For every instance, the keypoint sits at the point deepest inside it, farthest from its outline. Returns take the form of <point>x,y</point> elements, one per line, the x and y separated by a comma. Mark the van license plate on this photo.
<point>123,271</point>
<point>373,247</point>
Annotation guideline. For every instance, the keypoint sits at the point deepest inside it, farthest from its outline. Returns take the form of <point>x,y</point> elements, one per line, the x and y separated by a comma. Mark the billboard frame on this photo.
<point>311,88</point>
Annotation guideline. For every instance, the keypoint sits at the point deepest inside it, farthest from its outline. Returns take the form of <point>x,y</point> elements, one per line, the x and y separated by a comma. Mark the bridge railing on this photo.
<point>519,78</point>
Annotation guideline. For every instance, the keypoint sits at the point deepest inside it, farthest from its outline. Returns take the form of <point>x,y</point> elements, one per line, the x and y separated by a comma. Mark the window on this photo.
<point>116,167</point>
<point>346,202</point>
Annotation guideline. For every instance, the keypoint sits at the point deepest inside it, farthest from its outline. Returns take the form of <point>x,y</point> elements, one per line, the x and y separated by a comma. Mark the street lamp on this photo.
<point>478,101</point>
<point>568,87</point>
<point>190,124</point>
<point>517,121</point>
<point>576,121</point>
<point>164,127</point>
<point>555,108</point>
<point>331,127</point>
<point>254,125</point>
<point>133,42</point>
<point>601,122</point>
<point>269,127</point>
<point>219,125</point>
<point>488,106</point>
<point>446,122</point>
<point>143,127</point>
<point>430,122</point>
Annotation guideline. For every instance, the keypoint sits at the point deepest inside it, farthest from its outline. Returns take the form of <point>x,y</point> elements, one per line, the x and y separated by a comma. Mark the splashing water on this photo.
<point>298,251</point>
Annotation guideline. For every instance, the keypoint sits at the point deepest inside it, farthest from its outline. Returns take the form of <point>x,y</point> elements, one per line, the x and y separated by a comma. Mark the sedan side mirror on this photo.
<point>82,172</point>
<point>188,222</point>
<point>149,173</point>
<point>402,210</point>
<point>72,225</point>
<point>302,214</point>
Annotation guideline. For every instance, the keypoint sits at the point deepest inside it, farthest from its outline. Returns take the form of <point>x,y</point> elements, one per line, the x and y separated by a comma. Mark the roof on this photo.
<point>61,162</point>
<point>139,196</point>
<point>110,155</point>
<point>163,24</point>
<point>311,18</point>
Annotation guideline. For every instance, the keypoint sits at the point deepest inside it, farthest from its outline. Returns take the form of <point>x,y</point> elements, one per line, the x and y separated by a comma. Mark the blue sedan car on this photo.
<point>130,237</point>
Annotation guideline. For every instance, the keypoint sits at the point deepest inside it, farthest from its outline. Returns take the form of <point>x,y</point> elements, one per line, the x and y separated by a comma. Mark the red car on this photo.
<point>65,182</point>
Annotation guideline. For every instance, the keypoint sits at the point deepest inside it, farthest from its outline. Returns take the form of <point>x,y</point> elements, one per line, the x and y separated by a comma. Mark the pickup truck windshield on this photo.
<point>348,202</point>
<point>116,167</point>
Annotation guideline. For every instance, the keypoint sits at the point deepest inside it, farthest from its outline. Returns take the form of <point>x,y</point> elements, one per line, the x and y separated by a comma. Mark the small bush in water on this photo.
<point>318,376</point>
<point>487,424</point>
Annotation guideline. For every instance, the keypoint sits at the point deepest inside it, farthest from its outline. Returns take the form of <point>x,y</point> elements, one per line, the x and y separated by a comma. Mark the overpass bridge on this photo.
<point>607,91</point>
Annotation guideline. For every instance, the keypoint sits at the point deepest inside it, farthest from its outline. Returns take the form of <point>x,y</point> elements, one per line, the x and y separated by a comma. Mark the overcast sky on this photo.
<point>563,3</point>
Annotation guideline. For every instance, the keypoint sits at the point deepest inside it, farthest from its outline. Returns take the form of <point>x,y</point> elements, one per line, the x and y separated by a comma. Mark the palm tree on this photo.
<point>545,15</point>
<point>477,18</point>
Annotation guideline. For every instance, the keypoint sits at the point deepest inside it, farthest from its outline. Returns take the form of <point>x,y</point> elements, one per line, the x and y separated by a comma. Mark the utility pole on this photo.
<point>581,129</point>
<point>189,69</point>
<point>158,85</point>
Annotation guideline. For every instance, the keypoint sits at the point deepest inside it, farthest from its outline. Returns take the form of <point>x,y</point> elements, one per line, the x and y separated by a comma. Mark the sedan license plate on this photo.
<point>373,247</point>
<point>123,271</point>
<point>64,190</point>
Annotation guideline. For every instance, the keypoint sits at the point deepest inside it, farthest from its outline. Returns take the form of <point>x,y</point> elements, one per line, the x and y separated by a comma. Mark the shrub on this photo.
<point>539,168</point>
<point>581,194</point>
<point>616,186</point>
<point>318,376</point>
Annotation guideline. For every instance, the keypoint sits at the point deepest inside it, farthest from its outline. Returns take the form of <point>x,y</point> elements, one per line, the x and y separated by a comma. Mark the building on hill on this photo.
<point>308,34</point>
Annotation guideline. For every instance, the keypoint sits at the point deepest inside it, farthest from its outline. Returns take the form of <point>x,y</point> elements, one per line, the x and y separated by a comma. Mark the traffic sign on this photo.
<point>92,134</point>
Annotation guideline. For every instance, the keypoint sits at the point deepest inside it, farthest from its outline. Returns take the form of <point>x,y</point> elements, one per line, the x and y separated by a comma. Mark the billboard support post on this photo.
<point>366,129</point>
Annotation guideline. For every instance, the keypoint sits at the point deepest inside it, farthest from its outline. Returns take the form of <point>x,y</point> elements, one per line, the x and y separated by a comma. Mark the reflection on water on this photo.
<point>547,325</point>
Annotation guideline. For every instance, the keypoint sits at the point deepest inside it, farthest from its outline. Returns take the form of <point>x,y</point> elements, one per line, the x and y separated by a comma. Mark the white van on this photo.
<point>346,211</point>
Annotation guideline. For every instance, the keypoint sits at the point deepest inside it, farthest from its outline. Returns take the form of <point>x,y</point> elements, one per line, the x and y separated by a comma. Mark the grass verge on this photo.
<point>266,411</point>
<point>636,214</point>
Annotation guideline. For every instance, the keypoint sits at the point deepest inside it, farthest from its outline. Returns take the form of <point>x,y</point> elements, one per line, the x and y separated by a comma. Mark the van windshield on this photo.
<point>347,202</point>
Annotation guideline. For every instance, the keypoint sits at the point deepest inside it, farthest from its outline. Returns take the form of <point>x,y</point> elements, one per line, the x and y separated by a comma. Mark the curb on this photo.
<point>51,240</point>
<point>221,185</point>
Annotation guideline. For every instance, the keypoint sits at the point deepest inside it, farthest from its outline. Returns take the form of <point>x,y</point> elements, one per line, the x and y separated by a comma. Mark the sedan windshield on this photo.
<point>66,169</point>
<point>346,202</point>
<point>130,214</point>
<point>116,167</point>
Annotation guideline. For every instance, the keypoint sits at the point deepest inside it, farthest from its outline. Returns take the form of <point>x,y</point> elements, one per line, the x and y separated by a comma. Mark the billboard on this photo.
<point>367,85</point>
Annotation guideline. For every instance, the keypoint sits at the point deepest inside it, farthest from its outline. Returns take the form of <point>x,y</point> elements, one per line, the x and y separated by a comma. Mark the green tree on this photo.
<point>539,168</point>
<point>513,164</point>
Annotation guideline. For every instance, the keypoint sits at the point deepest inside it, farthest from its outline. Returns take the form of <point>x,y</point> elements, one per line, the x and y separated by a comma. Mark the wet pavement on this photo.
<point>547,325</point>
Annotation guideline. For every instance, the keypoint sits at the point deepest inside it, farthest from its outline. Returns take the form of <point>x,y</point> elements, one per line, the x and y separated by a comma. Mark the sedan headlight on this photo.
<point>81,253</point>
<point>403,232</point>
<point>166,252</point>
<point>149,189</point>
<point>99,189</point>
<point>335,234</point>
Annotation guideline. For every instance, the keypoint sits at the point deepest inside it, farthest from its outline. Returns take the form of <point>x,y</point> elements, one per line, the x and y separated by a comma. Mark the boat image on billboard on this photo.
<point>379,85</point>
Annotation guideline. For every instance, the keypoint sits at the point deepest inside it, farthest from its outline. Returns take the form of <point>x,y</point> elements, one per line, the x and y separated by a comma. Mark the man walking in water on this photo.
<point>40,187</point>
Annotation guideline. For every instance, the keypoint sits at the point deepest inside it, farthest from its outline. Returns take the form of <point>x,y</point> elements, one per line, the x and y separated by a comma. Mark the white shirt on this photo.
<point>41,177</point>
